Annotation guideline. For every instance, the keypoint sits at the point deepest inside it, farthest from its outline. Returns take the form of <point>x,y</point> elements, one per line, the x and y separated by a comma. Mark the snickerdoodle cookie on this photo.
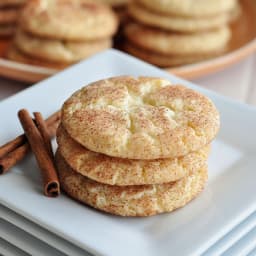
<point>7,30</point>
<point>166,61</point>
<point>191,8</point>
<point>115,3</point>
<point>144,200</point>
<point>140,118</point>
<point>18,56</point>
<point>164,42</point>
<point>59,50</point>
<point>69,19</point>
<point>13,3</point>
<point>123,172</point>
<point>174,22</point>
<point>8,16</point>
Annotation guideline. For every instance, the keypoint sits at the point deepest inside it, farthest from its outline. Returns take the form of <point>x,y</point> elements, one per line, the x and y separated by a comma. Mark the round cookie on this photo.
<point>8,16</point>
<point>198,8</point>
<point>141,200</point>
<point>4,3</point>
<point>178,44</point>
<point>18,56</point>
<point>59,51</point>
<point>140,118</point>
<point>176,23</point>
<point>69,19</point>
<point>123,172</point>
<point>166,61</point>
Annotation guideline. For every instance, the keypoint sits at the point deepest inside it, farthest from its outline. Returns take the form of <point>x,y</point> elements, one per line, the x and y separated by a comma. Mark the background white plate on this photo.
<point>227,201</point>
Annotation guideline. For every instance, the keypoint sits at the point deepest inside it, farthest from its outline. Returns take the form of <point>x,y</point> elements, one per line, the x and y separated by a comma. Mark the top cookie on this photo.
<point>68,19</point>
<point>140,118</point>
<point>197,8</point>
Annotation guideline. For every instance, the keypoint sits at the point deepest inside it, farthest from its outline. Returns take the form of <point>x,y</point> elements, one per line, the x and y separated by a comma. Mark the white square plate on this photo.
<point>8,249</point>
<point>35,231</point>
<point>24,241</point>
<point>228,199</point>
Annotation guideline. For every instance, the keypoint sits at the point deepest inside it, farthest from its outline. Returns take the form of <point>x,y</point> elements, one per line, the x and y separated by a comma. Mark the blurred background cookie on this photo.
<point>190,8</point>
<point>44,35</point>
<point>68,20</point>
<point>6,30</point>
<point>58,50</point>
<point>9,14</point>
<point>164,61</point>
<point>13,3</point>
<point>163,42</point>
<point>18,56</point>
<point>166,33</point>
<point>172,33</point>
<point>176,22</point>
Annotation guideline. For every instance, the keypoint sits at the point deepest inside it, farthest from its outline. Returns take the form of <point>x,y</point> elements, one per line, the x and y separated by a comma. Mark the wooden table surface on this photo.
<point>237,81</point>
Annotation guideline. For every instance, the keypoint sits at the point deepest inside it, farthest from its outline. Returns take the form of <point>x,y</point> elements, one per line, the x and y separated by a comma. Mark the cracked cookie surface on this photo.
<point>123,172</point>
<point>144,200</point>
<point>140,118</point>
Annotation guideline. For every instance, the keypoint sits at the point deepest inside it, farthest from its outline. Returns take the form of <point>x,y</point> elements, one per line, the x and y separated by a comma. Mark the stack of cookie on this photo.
<point>135,146</point>
<point>172,32</point>
<point>9,12</point>
<point>58,33</point>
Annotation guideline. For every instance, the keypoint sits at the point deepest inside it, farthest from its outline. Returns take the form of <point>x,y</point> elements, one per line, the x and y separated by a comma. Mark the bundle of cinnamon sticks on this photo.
<point>37,137</point>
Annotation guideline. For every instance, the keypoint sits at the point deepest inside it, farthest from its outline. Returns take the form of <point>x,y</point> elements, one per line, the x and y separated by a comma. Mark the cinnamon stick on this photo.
<point>13,157</point>
<point>14,151</point>
<point>12,145</point>
<point>44,160</point>
<point>41,126</point>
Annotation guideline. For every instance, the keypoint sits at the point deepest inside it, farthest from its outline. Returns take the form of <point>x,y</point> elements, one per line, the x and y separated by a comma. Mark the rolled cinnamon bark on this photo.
<point>14,151</point>
<point>41,126</point>
<point>44,160</point>
<point>13,158</point>
<point>12,145</point>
